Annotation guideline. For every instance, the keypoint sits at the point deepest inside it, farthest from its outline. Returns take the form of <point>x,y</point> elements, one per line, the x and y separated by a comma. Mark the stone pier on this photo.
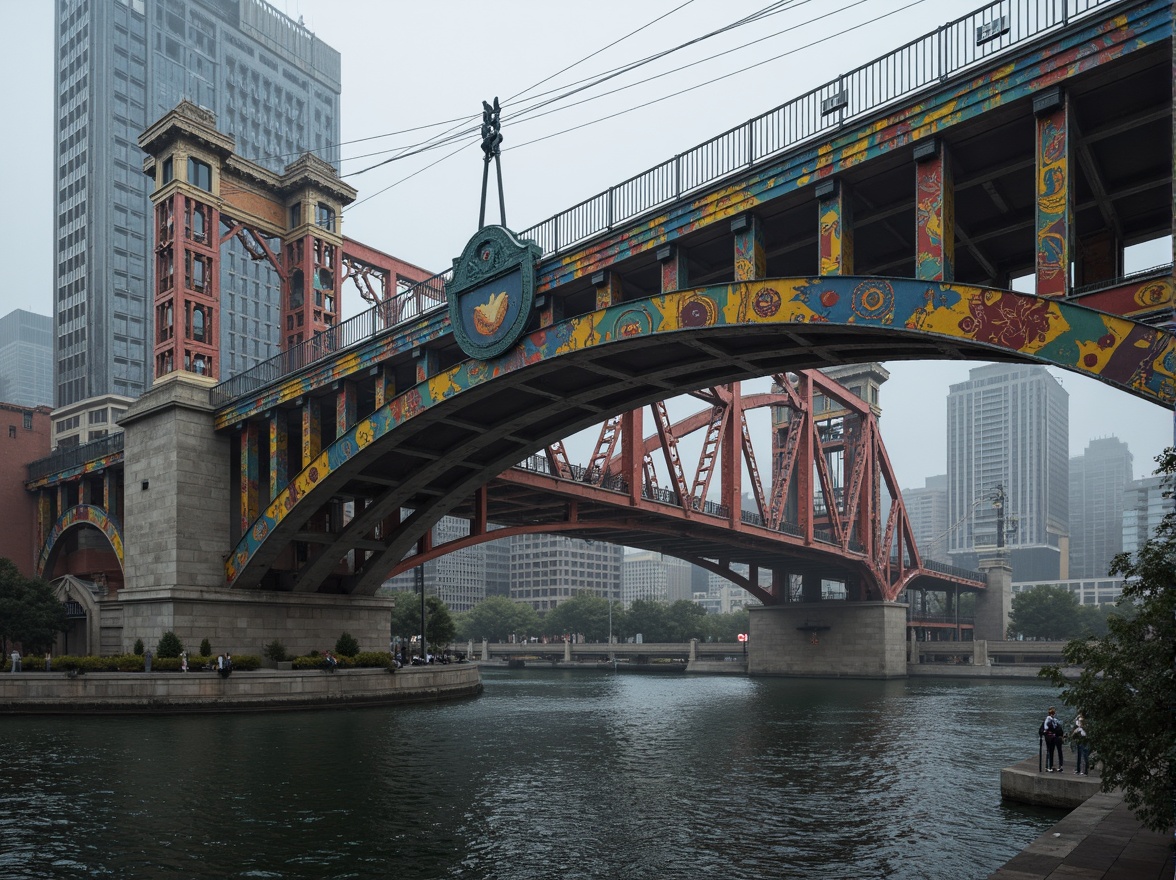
<point>828,640</point>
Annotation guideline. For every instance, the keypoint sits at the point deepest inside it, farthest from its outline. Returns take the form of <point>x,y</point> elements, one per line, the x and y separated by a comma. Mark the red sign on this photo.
<point>742,637</point>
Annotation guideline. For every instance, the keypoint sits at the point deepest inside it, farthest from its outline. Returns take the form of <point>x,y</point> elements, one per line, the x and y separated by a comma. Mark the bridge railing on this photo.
<point>946,568</point>
<point>949,49</point>
<point>956,46</point>
<point>411,304</point>
<point>75,456</point>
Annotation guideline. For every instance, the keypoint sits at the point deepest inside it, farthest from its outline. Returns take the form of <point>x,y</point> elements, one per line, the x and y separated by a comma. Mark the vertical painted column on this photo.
<point>608,289</point>
<point>427,364</point>
<point>674,275</point>
<point>312,435</point>
<point>751,261</point>
<point>385,382</point>
<point>1054,225</point>
<point>279,452</point>
<point>345,407</point>
<point>44,516</point>
<point>835,228</point>
<point>110,494</point>
<point>250,478</point>
<point>934,213</point>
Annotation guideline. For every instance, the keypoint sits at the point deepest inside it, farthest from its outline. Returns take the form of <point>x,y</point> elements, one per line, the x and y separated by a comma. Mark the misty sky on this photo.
<point>409,64</point>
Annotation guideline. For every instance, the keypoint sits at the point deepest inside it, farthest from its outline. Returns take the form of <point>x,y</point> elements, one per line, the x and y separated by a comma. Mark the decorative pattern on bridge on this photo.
<point>613,359</point>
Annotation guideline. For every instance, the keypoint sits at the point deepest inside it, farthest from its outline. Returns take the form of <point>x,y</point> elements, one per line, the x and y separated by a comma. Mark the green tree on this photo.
<point>1046,612</point>
<point>406,619</point>
<point>685,620</point>
<point>496,618</point>
<point>649,619</point>
<point>29,612</point>
<point>169,645</point>
<point>586,614</point>
<point>725,627</point>
<point>1126,682</point>
<point>439,626</point>
<point>346,645</point>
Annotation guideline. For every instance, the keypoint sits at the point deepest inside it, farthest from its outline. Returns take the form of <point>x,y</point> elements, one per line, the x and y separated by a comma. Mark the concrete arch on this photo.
<point>445,436</point>
<point>75,517</point>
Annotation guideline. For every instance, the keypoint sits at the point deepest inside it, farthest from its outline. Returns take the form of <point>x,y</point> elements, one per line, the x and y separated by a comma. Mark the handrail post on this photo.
<point>942,41</point>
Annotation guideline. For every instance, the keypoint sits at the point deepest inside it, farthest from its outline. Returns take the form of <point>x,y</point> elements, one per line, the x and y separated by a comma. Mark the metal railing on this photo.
<point>75,456</point>
<point>969,40</point>
<point>957,45</point>
<point>955,571</point>
<point>416,302</point>
<point>1140,275</point>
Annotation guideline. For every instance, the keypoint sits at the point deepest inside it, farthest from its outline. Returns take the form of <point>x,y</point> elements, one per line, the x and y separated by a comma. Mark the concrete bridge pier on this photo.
<point>994,604</point>
<point>176,533</point>
<point>831,639</point>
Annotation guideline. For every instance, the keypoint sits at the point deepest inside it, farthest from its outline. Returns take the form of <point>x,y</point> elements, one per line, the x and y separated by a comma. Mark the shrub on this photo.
<point>347,645</point>
<point>138,647</point>
<point>246,662</point>
<point>374,659</point>
<point>276,651</point>
<point>169,645</point>
<point>205,648</point>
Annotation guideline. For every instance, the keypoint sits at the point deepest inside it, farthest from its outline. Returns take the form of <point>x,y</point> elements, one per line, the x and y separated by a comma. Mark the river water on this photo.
<point>547,774</point>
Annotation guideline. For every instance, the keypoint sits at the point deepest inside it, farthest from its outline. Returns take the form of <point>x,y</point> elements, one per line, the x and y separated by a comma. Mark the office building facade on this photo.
<point>927,510</point>
<point>1008,444</point>
<point>120,65</point>
<point>1145,504</point>
<point>548,569</point>
<point>655,577</point>
<point>1098,480</point>
<point>26,359</point>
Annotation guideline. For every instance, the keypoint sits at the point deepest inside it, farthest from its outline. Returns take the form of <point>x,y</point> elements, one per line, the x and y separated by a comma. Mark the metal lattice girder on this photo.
<point>669,445</point>
<point>757,486</point>
<point>606,442</point>
<point>557,460</point>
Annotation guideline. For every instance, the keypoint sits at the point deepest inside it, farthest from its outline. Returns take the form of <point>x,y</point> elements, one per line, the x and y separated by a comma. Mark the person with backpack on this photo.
<point>1054,733</point>
<point>1081,746</point>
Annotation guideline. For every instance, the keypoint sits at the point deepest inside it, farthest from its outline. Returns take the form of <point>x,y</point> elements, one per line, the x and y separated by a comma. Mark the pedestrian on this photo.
<point>15,655</point>
<point>1053,731</point>
<point>48,661</point>
<point>1081,746</point>
<point>183,661</point>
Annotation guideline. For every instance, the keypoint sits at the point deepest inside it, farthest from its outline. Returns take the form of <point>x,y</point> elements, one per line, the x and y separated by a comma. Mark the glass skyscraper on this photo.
<point>122,64</point>
<point>26,359</point>
<point>1008,427</point>
<point>1098,480</point>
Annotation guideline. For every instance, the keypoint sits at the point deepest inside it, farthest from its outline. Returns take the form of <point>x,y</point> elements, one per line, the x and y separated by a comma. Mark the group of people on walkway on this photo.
<point>1054,733</point>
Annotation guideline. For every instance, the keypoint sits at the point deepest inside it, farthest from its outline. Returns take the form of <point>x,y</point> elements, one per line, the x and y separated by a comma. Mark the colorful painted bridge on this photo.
<point>883,216</point>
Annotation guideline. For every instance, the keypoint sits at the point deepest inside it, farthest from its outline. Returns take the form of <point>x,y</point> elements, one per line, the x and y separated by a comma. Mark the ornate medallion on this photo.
<point>492,291</point>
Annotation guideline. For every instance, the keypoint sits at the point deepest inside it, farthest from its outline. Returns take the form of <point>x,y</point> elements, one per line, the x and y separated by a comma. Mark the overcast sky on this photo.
<point>411,64</point>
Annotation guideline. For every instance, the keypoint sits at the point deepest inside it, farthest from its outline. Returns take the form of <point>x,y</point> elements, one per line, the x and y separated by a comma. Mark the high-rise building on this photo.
<point>548,569</point>
<point>1008,444</point>
<point>1098,479</point>
<point>927,510</point>
<point>650,575</point>
<point>122,64</point>
<point>1145,505</point>
<point>26,359</point>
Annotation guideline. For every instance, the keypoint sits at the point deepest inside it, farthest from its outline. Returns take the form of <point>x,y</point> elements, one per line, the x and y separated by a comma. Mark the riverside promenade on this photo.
<point>1098,840</point>
<point>261,690</point>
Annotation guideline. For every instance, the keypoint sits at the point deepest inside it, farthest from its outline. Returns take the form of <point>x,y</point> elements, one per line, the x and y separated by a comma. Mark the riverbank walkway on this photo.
<point>1100,840</point>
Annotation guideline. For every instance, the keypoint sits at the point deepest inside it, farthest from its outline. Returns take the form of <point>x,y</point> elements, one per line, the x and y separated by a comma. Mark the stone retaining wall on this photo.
<point>167,692</point>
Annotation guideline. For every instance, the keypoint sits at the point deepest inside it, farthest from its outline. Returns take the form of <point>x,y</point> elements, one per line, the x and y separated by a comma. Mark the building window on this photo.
<point>12,431</point>
<point>295,215</point>
<point>168,173</point>
<point>324,217</point>
<point>200,174</point>
<point>28,421</point>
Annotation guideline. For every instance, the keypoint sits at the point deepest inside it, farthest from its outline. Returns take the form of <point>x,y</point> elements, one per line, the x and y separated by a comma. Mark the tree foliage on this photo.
<point>1126,682</point>
<point>406,619</point>
<point>346,645</point>
<point>1052,612</point>
<point>169,645</point>
<point>496,619</point>
<point>585,614</point>
<point>29,612</point>
<point>725,627</point>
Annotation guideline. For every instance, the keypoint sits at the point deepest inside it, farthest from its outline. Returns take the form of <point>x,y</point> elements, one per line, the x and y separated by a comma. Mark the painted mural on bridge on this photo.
<point>75,516</point>
<point>1132,356</point>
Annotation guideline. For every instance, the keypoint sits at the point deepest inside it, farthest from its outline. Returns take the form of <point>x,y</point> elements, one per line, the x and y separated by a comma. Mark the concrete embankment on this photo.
<point>263,690</point>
